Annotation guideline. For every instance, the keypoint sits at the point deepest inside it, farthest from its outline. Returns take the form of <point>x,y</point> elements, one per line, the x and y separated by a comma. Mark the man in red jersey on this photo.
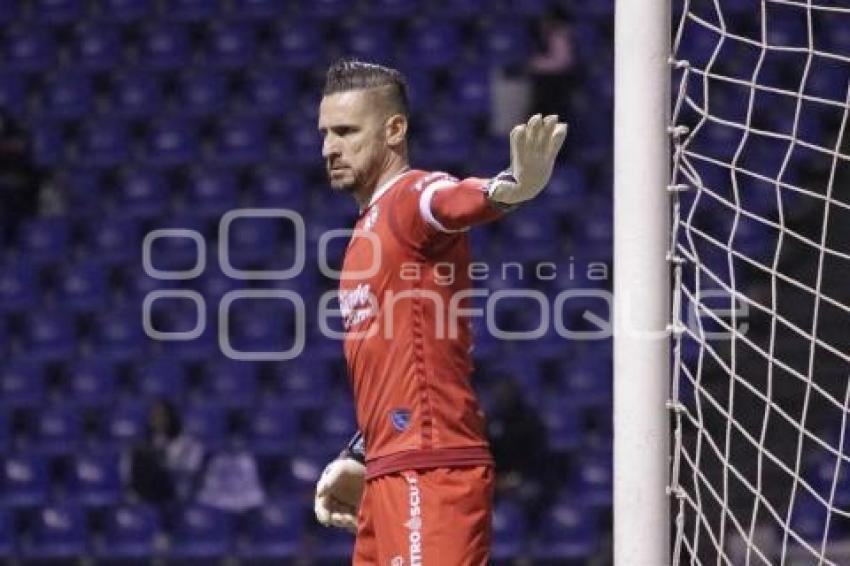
<point>416,482</point>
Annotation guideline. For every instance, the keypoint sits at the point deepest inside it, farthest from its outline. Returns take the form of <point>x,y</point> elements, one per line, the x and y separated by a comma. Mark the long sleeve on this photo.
<point>449,205</point>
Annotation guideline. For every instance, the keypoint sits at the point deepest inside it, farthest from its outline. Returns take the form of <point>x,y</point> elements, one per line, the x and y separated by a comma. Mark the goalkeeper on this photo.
<point>416,485</point>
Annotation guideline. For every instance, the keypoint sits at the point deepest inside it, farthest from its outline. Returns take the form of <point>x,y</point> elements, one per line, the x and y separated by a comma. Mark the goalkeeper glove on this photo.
<point>338,493</point>
<point>534,147</point>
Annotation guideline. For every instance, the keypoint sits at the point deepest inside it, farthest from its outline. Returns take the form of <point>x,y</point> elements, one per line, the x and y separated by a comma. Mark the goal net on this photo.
<point>760,255</point>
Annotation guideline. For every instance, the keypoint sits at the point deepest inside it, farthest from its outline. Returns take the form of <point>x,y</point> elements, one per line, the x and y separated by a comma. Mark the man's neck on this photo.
<point>388,173</point>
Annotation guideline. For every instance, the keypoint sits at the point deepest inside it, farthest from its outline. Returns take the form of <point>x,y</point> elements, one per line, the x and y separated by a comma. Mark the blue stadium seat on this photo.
<point>260,10</point>
<point>82,187</point>
<point>256,328</point>
<point>59,532</point>
<point>142,193</point>
<point>230,383</point>
<point>97,47</point>
<point>95,478</point>
<point>48,145</point>
<point>273,428</point>
<point>67,95</point>
<point>58,11</point>
<point>172,141</point>
<point>202,92</point>
<point>125,11</point>
<point>324,9</point>
<point>213,284</point>
<point>44,240</point>
<point>22,383</point>
<point>136,93</point>
<point>509,530</point>
<point>18,286</point>
<point>281,187</point>
<point>5,430</point>
<point>231,45</point>
<point>129,534</point>
<point>369,42</point>
<point>90,383</point>
<point>253,240</point>
<point>57,430</point>
<point>394,9</point>
<point>470,92</point>
<point>25,480</point>
<point>206,423</point>
<point>192,10</point>
<point>568,532</point>
<point>274,533</point>
<point>268,90</point>
<point>82,287</point>
<point>115,239</point>
<point>9,10</point>
<point>161,378</point>
<point>165,46</point>
<point>200,533</point>
<point>212,191</point>
<point>124,424</point>
<point>241,140</point>
<point>29,49</point>
<point>809,518</point>
<point>49,335</point>
<point>462,9</point>
<point>118,335</point>
<point>13,91</point>
<point>433,44</point>
<point>596,480</point>
<point>103,142</point>
<point>183,317</point>
<point>563,425</point>
<point>304,142</point>
<point>336,423</point>
<point>297,44</point>
<point>506,42</point>
<point>444,142</point>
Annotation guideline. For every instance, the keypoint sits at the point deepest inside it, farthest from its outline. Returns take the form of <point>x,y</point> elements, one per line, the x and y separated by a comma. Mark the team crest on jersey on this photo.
<point>371,218</point>
<point>400,419</point>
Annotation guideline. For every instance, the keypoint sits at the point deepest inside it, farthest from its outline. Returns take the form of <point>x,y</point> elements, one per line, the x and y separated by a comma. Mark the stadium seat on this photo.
<point>470,92</point>
<point>369,42</point>
<point>57,430</point>
<point>267,91</point>
<point>82,287</point>
<point>183,316</point>
<point>118,335</point>
<point>444,142</point>
<point>115,239</point>
<point>95,478</point>
<point>135,93</point>
<point>200,533</point>
<point>22,383</point>
<point>297,44</point>
<point>161,378</point>
<point>124,424</point>
<point>260,10</point>
<point>230,383</point>
<point>9,10</point>
<point>44,240</point>
<point>241,140</point>
<point>13,90</point>
<point>103,142</point>
<point>67,95</point>
<point>509,530</point>
<point>206,423</point>
<point>91,383</point>
<point>273,428</point>
<point>568,532</point>
<point>171,142</point>
<point>394,9</point>
<point>433,45</point>
<point>506,42</point>
<point>29,48</point>
<point>281,187</point>
<point>230,45</point>
<point>596,480</point>
<point>192,10</point>
<point>59,532</point>
<point>58,11</point>
<point>125,11</point>
<point>143,193</point>
<point>48,143</point>
<point>273,533</point>
<point>563,425</point>
<point>25,480</point>
<point>18,286</point>
<point>324,9</point>
<point>5,430</point>
<point>97,47</point>
<point>202,92</point>
<point>49,335</point>
<point>165,46</point>
<point>253,240</point>
<point>129,534</point>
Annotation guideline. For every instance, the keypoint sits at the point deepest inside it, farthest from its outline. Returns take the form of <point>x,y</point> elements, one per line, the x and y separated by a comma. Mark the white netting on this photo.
<point>760,251</point>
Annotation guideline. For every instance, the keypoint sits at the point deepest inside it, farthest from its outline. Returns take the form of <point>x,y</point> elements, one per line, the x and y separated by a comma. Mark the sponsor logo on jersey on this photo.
<point>397,561</point>
<point>356,305</point>
<point>400,419</point>
<point>414,524</point>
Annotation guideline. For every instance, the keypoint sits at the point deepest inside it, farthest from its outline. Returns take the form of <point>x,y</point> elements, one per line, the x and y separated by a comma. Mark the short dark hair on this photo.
<point>350,74</point>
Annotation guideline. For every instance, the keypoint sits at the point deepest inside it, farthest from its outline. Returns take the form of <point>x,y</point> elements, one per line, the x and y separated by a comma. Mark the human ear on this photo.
<point>396,129</point>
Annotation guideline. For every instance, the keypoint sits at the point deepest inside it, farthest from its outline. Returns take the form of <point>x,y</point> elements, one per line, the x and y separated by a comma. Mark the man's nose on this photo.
<point>330,147</point>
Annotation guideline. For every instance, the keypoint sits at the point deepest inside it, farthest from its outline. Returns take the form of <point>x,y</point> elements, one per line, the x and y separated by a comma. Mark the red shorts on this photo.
<point>433,517</point>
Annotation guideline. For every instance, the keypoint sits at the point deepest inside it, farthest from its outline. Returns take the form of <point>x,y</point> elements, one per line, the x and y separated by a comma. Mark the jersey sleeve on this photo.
<point>450,205</point>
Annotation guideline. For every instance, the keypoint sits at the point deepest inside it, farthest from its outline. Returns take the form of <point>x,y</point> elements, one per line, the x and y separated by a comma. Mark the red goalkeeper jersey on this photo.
<point>406,347</point>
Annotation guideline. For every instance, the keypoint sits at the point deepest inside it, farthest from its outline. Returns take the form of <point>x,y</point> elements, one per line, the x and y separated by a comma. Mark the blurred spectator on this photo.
<point>165,467</point>
<point>20,179</point>
<point>518,441</point>
<point>231,480</point>
<point>552,69</point>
